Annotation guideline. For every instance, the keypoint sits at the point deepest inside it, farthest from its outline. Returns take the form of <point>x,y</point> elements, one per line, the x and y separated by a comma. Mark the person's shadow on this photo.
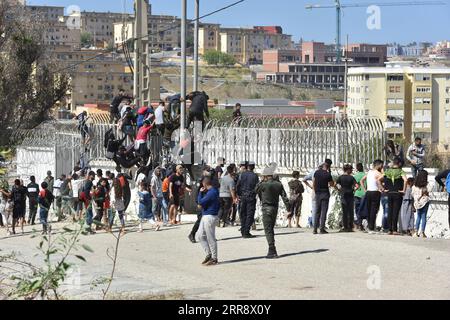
<point>279,257</point>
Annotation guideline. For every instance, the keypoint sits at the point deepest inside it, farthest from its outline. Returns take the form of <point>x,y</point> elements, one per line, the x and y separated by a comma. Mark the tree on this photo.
<point>86,39</point>
<point>30,84</point>
<point>219,58</point>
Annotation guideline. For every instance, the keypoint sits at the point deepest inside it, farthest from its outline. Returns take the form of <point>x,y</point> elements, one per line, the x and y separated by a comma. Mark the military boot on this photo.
<point>272,254</point>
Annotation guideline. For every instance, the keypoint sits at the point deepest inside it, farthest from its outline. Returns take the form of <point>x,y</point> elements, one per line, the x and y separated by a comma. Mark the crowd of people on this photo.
<point>226,196</point>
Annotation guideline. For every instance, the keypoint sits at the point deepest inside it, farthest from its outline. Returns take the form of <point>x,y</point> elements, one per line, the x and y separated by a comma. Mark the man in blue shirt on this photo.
<point>209,202</point>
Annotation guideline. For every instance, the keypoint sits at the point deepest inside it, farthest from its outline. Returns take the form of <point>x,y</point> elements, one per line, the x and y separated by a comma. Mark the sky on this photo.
<point>403,24</point>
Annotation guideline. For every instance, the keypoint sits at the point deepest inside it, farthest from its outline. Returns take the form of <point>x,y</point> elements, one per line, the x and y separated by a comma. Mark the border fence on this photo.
<point>300,144</point>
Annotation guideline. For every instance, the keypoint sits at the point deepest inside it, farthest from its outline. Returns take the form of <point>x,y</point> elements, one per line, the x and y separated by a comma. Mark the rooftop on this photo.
<point>398,69</point>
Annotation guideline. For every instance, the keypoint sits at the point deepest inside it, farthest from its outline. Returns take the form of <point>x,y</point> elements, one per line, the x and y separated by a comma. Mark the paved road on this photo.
<point>334,266</point>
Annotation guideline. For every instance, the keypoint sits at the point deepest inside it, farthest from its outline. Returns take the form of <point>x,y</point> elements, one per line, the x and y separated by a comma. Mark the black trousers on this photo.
<point>247,211</point>
<point>226,205</point>
<point>193,116</point>
<point>33,211</point>
<point>197,224</point>
<point>348,208</point>
<point>114,116</point>
<point>322,203</point>
<point>99,216</point>
<point>395,201</point>
<point>373,205</point>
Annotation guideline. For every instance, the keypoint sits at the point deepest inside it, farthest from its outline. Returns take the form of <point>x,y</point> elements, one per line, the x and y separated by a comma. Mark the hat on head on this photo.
<point>268,171</point>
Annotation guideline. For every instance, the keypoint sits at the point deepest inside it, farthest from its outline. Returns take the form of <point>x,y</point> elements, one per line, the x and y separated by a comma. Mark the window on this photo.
<point>418,100</point>
<point>423,89</point>
<point>427,101</point>
<point>395,78</point>
<point>367,112</point>
<point>391,101</point>
<point>399,101</point>
<point>367,77</point>
<point>447,101</point>
<point>423,77</point>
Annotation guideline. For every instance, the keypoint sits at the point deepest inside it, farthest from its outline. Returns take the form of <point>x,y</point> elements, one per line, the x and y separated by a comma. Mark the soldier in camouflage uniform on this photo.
<point>269,192</point>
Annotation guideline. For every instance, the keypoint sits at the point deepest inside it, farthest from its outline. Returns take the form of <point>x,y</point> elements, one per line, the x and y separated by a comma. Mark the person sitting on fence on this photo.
<point>198,108</point>
<point>127,122</point>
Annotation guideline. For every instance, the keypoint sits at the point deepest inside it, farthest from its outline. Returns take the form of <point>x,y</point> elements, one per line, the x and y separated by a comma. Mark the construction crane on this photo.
<point>338,6</point>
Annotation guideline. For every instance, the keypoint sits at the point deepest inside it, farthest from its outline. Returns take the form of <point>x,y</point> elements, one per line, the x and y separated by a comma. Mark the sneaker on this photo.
<point>158,227</point>
<point>315,232</point>
<point>207,259</point>
<point>248,236</point>
<point>423,235</point>
<point>212,262</point>
<point>416,235</point>
<point>323,232</point>
<point>371,232</point>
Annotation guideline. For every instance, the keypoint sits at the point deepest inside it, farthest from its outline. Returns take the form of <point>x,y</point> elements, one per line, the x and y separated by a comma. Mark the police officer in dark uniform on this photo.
<point>246,187</point>
<point>33,199</point>
<point>269,191</point>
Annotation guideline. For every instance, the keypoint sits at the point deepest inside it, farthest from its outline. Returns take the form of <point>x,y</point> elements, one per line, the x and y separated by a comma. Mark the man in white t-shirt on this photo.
<point>159,117</point>
<point>373,194</point>
<point>57,195</point>
<point>75,185</point>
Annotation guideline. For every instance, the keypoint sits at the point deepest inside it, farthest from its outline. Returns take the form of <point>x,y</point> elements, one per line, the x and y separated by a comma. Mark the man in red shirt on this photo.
<point>141,140</point>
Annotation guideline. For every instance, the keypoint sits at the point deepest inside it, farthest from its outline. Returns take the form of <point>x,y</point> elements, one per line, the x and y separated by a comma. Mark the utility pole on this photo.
<point>196,43</point>
<point>346,60</point>
<point>141,54</point>
<point>183,65</point>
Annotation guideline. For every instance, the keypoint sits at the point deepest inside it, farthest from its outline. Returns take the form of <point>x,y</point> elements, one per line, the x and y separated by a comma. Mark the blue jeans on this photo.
<point>43,216</point>
<point>385,204</point>
<point>360,209</point>
<point>165,210</point>
<point>422,218</point>
<point>415,169</point>
<point>112,215</point>
<point>89,215</point>
<point>145,212</point>
<point>157,206</point>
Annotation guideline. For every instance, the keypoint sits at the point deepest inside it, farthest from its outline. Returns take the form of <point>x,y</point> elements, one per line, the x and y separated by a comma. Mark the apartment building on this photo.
<point>47,13</point>
<point>57,33</point>
<point>164,32</point>
<point>361,53</point>
<point>100,25</point>
<point>248,45</point>
<point>412,101</point>
<point>279,60</point>
<point>95,78</point>
<point>317,75</point>
<point>209,37</point>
